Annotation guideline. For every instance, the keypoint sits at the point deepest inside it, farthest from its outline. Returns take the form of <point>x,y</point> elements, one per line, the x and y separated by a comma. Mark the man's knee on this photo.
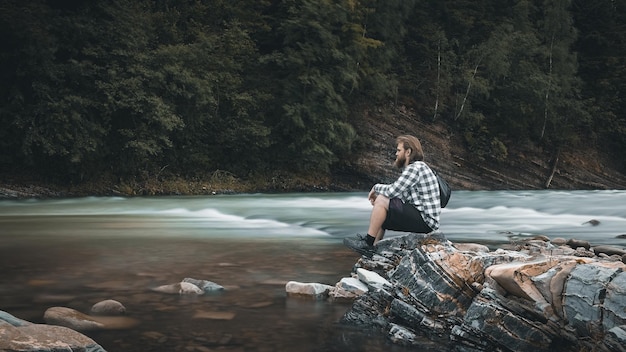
<point>382,201</point>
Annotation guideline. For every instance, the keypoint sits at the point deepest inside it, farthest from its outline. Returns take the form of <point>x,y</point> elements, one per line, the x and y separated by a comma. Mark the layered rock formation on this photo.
<point>535,297</point>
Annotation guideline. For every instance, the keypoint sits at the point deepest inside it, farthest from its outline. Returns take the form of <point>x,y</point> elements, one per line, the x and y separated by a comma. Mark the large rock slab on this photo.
<point>538,296</point>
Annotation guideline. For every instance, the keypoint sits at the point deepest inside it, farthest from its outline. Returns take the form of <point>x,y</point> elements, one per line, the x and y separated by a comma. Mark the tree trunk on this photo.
<point>555,162</point>
<point>469,86</point>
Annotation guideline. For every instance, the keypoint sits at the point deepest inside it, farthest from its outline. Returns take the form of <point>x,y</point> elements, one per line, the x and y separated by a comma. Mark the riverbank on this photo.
<point>525,168</point>
<point>523,172</point>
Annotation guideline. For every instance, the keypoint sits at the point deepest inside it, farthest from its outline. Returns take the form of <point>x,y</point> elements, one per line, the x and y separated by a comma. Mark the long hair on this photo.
<point>411,142</point>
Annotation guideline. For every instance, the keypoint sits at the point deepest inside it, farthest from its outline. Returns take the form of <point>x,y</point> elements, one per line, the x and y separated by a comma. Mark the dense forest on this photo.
<point>135,88</point>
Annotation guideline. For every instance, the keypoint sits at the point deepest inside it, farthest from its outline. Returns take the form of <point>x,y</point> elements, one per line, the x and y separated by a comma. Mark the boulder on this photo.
<point>314,291</point>
<point>23,336</point>
<point>538,297</point>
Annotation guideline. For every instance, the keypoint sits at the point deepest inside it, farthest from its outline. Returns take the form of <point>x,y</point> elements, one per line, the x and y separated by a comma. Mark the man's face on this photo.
<point>402,156</point>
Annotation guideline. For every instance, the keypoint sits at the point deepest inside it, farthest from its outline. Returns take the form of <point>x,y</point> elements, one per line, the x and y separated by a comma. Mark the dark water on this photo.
<point>77,252</point>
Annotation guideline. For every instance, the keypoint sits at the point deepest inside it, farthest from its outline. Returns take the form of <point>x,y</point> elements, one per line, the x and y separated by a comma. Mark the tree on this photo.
<point>600,46</point>
<point>311,72</point>
<point>51,117</point>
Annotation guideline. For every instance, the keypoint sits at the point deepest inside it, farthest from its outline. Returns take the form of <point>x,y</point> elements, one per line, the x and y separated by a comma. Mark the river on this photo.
<point>76,252</point>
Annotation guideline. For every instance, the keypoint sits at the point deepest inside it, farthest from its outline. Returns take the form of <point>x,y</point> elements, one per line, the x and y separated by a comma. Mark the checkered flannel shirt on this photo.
<point>417,185</point>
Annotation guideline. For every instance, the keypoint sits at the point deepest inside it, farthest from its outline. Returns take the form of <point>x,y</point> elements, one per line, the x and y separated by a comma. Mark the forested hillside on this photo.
<point>142,89</point>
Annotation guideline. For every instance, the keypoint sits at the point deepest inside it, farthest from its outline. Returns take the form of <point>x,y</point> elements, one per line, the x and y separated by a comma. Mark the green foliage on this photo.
<point>247,87</point>
<point>313,75</point>
<point>601,45</point>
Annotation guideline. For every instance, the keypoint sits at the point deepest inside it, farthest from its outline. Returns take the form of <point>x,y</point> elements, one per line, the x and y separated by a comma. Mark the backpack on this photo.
<point>444,190</point>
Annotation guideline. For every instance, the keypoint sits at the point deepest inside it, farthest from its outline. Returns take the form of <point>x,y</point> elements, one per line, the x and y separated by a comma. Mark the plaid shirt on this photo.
<point>417,185</point>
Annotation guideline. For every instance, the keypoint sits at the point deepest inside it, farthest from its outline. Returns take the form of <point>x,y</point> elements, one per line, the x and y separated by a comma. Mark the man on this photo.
<point>409,204</point>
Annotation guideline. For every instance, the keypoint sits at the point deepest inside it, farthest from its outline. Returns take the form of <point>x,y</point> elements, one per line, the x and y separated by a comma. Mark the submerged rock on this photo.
<point>539,297</point>
<point>78,321</point>
<point>205,285</point>
<point>108,307</point>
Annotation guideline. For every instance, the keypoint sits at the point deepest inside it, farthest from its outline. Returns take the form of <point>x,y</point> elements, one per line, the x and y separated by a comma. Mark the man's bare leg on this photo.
<point>377,218</point>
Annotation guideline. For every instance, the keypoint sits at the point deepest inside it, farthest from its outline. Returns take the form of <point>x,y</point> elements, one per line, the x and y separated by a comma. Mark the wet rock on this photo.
<point>21,335</point>
<point>78,321</point>
<point>536,298</point>
<point>471,247</point>
<point>71,318</point>
<point>181,288</point>
<point>574,243</point>
<point>372,279</point>
<point>338,294</point>
<point>307,290</point>
<point>609,250</point>
<point>108,307</point>
<point>214,315</point>
<point>592,222</point>
<point>353,285</point>
<point>205,285</point>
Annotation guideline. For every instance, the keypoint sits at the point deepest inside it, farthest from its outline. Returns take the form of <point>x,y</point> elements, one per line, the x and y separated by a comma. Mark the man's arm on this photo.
<point>408,177</point>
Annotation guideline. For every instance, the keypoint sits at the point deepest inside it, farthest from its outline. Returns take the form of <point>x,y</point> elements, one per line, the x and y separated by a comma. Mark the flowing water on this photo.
<point>77,252</point>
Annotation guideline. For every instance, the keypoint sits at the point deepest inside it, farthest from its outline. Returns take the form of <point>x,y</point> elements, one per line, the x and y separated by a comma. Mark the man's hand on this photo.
<point>372,196</point>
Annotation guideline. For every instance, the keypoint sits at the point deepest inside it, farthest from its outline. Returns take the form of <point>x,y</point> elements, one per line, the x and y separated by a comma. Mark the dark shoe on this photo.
<point>359,245</point>
<point>361,237</point>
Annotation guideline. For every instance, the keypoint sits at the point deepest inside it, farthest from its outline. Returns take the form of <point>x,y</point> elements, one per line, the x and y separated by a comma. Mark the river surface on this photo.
<point>79,251</point>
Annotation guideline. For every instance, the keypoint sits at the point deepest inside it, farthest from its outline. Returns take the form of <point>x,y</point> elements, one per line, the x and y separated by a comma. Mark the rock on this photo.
<point>372,279</point>
<point>616,338</point>
<point>471,247</point>
<point>340,295</point>
<point>609,250</point>
<point>21,335</point>
<point>71,318</point>
<point>402,335</point>
<point>592,222</point>
<point>307,290</point>
<point>574,243</point>
<point>181,288</point>
<point>204,285</point>
<point>214,315</point>
<point>353,285</point>
<point>538,298</point>
<point>108,307</point>
<point>595,297</point>
<point>78,321</point>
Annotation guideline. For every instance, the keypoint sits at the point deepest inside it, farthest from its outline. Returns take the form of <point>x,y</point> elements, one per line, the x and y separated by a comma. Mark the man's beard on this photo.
<point>400,161</point>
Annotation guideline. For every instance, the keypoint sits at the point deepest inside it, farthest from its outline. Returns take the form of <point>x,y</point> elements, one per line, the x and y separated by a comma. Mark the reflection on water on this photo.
<point>77,252</point>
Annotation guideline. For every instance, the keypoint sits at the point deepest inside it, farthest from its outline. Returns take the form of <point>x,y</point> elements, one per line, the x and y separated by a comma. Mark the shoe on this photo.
<point>359,245</point>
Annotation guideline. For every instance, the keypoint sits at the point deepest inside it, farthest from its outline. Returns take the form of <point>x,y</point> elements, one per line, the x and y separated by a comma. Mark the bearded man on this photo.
<point>411,203</point>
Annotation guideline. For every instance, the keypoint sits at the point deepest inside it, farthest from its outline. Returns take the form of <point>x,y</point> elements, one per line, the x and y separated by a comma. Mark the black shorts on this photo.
<point>404,217</point>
